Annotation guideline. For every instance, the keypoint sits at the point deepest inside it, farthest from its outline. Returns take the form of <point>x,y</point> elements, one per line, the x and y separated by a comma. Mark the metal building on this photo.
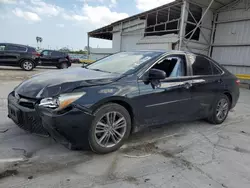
<point>217,28</point>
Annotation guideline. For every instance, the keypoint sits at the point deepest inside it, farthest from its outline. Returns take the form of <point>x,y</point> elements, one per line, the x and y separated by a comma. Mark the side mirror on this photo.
<point>41,54</point>
<point>156,74</point>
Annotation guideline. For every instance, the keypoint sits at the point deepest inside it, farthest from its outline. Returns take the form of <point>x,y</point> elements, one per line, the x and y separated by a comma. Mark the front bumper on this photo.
<point>71,126</point>
<point>25,116</point>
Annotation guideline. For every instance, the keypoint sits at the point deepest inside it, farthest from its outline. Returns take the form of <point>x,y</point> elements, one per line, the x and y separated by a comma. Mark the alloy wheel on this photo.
<point>110,129</point>
<point>27,65</point>
<point>222,109</point>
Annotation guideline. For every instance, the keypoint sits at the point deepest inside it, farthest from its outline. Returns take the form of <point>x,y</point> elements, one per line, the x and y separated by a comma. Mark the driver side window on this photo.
<point>46,53</point>
<point>173,66</point>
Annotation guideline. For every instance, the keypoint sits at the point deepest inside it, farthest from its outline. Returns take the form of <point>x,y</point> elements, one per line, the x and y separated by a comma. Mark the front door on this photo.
<point>46,58</point>
<point>170,100</point>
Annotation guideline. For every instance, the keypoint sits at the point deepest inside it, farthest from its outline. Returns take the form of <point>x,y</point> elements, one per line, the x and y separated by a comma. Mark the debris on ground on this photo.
<point>131,179</point>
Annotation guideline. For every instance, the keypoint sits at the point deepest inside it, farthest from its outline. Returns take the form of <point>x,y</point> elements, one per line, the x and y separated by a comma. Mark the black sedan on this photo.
<point>102,104</point>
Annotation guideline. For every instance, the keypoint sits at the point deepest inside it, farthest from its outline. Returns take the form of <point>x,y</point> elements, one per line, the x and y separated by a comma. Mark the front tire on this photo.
<point>109,129</point>
<point>27,65</point>
<point>220,110</point>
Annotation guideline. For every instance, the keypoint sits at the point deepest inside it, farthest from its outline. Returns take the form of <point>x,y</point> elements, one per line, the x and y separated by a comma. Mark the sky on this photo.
<point>64,23</point>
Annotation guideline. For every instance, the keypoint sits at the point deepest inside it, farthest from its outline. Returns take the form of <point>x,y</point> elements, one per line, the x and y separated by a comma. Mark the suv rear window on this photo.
<point>31,49</point>
<point>16,48</point>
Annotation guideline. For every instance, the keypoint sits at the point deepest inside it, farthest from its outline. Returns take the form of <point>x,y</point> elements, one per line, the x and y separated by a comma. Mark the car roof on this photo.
<point>4,43</point>
<point>164,51</point>
<point>53,50</point>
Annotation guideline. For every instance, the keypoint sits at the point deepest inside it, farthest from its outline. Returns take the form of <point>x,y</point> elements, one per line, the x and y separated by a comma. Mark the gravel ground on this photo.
<point>16,73</point>
<point>194,154</point>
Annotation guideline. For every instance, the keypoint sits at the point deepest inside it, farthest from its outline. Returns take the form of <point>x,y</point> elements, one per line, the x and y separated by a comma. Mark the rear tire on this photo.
<point>27,65</point>
<point>109,129</point>
<point>64,66</point>
<point>220,110</point>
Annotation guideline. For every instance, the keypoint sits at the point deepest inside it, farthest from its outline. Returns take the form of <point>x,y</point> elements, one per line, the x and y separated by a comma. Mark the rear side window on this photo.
<point>2,47</point>
<point>16,48</point>
<point>56,54</point>
<point>201,66</point>
<point>216,70</point>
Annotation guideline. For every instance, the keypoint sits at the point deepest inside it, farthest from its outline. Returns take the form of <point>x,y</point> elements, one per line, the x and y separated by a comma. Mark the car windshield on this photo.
<point>123,62</point>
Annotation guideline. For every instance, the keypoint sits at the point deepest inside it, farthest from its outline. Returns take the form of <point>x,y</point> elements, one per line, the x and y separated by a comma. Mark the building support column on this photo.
<point>121,36</point>
<point>212,35</point>
<point>182,23</point>
<point>88,50</point>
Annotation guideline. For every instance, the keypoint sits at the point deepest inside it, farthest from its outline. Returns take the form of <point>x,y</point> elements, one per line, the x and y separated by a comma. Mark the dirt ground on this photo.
<point>189,155</point>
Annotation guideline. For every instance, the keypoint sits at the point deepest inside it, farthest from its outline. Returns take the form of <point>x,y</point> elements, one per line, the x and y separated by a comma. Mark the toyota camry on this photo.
<point>103,103</point>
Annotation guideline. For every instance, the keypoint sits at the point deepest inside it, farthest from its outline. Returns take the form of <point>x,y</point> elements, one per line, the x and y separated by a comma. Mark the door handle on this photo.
<point>187,85</point>
<point>219,80</point>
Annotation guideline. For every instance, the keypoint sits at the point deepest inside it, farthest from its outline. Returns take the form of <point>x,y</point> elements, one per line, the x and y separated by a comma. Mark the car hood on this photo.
<point>56,82</point>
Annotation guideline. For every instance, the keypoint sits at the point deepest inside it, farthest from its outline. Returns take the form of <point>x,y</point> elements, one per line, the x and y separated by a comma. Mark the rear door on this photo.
<point>206,84</point>
<point>2,56</point>
<point>171,99</point>
<point>55,56</point>
<point>13,53</point>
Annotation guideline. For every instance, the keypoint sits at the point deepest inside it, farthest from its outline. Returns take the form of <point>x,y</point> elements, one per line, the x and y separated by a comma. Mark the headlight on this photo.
<point>62,101</point>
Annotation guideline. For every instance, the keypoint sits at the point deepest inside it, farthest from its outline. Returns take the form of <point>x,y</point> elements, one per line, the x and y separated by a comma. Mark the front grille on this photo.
<point>36,125</point>
<point>27,102</point>
<point>28,118</point>
<point>31,122</point>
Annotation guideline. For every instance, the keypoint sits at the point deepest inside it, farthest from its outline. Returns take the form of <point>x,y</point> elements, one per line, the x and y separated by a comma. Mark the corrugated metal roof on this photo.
<point>107,29</point>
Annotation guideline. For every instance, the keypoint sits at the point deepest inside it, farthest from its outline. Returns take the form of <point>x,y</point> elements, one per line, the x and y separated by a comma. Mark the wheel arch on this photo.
<point>123,101</point>
<point>229,95</point>
<point>23,59</point>
<point>63,60</point>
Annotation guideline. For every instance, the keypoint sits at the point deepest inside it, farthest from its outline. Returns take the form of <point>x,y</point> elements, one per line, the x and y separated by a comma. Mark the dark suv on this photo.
<point>18,55</point>
<point>58,59</point>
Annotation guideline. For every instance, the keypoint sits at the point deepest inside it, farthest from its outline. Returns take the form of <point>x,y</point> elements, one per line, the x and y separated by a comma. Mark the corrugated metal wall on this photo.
<point>232,39</point>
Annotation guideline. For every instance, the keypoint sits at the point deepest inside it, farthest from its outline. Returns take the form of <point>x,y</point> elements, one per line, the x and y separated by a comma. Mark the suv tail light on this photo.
<point>237,82</point>
<point>68,58</point>
<point>36,54</point>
